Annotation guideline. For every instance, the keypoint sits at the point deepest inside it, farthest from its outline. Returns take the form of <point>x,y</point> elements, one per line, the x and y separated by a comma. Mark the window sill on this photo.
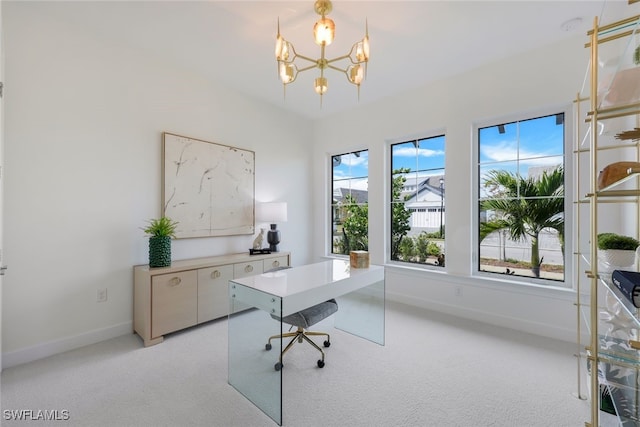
<point>485,281</point>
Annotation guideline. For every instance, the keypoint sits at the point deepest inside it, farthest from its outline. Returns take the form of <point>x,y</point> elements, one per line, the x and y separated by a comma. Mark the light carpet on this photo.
<point>435,370</point>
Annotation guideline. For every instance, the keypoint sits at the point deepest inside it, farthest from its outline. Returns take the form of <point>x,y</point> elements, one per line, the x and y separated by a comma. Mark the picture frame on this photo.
<point>208,188</point>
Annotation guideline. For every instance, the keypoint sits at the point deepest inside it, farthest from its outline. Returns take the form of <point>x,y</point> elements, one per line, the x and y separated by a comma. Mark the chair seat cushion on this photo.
<point>310,316</point>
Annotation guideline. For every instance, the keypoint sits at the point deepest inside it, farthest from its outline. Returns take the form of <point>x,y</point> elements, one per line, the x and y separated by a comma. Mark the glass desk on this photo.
<point>360,295</point>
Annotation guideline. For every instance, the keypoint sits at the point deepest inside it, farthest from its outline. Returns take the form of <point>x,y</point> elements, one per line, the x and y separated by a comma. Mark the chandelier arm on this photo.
<point>339,58</point>
<point>333,67</point>
<point>310,67</point>
<point>306,58</point>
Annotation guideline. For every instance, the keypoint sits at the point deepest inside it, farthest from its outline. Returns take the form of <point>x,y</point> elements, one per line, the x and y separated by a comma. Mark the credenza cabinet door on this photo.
<point>174,302</point>
<point>213,284</point>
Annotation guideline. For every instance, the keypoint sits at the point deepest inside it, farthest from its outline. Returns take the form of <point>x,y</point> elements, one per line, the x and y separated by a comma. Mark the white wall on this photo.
<point>546,77</point>
<point>83,136</point>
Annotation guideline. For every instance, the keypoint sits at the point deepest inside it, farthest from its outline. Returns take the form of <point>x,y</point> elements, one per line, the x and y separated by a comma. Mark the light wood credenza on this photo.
<point>190,291</point>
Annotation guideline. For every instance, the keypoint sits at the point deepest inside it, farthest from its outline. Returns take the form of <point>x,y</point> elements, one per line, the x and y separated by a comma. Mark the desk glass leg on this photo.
<point>251,366</point>
<point>361,312</point>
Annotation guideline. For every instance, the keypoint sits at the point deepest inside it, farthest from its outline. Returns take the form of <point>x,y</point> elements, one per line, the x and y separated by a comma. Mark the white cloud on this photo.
<point>411,152</point>
<point>506,151</point>
<point>353,160</point>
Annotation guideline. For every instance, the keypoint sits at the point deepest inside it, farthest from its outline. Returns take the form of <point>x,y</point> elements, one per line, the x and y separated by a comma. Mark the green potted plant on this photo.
<point>160,231</point>
<point>617,250</point>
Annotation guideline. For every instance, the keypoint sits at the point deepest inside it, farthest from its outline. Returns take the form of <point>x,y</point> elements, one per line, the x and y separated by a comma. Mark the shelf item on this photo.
<point>190,291</point>
<point>633,135</point>
<point>628,282</point>
<point>616,173</point>
<point>622,88</point>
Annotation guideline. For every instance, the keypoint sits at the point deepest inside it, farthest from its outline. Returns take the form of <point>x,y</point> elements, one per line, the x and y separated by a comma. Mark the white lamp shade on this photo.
<point>272,213</point>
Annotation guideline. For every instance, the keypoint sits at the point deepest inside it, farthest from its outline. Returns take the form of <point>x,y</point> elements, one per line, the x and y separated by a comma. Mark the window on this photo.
<point>521,198</point>
<point>417,201</point>
<point>349,203</point>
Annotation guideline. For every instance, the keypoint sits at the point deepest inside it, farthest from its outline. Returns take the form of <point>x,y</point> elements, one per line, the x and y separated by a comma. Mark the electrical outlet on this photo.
<point>102,295</point>
<point>458,291</point>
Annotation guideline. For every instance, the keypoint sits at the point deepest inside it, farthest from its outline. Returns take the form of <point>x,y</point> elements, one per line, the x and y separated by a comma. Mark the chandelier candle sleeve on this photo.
<point>353,64</point>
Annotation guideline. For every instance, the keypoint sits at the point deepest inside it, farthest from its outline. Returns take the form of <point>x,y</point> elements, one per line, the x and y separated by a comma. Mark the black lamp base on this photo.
<point>273,237</point>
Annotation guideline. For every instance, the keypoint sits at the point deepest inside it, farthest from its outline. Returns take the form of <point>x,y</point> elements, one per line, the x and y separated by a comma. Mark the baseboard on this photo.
<point>545,330</point>
<point>51,348</point>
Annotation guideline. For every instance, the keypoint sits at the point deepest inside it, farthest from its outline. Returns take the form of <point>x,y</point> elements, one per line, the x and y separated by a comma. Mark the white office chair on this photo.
<point>302,320</point>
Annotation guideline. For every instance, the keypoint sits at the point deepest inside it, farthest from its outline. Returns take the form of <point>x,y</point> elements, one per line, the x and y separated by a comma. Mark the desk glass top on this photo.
<point>305,278</point>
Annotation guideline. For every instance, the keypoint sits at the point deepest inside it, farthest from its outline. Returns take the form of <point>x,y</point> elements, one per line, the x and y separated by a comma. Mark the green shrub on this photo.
<point>407,248</point>
<point>616,241</point>
<point>433,249</point>
<point>422,247</point>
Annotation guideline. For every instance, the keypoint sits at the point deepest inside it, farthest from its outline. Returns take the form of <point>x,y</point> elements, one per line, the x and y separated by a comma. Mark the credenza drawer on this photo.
<point>174,302</point>
<point>246,269</point>
<point>282,261</point>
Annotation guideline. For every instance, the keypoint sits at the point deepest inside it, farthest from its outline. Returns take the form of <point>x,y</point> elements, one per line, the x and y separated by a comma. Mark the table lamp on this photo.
<point>272,213</point>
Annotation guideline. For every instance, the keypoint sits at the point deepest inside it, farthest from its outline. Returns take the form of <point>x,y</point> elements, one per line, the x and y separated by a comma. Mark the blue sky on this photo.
<point>537,142</point>
<point>422,155</point>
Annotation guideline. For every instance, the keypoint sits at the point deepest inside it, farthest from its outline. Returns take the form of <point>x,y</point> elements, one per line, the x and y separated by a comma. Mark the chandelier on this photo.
<point>323,32</point>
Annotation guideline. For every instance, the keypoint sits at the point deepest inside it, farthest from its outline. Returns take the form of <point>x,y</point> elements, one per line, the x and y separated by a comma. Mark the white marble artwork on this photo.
<point>208,188</point>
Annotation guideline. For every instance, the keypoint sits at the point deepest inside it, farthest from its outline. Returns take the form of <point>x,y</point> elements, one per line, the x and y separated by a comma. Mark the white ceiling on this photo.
<point>412,42</point>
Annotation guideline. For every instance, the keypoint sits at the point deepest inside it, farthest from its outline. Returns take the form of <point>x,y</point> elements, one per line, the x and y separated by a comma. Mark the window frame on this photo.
<point>569,230</point>
<point>388,200</point>
<point>329,221</point>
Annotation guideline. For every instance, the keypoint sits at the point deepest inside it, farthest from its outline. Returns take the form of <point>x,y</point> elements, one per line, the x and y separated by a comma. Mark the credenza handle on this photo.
<point>215,274</point>
<point>275,263</point>
<point>175,281</point>
<point>248,269</point>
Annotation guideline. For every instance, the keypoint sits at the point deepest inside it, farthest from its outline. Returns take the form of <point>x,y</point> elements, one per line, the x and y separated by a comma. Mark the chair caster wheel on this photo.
<point>278,366</point>
<point>327,343</point>
<point>267,346</point>
<point>320,364</point>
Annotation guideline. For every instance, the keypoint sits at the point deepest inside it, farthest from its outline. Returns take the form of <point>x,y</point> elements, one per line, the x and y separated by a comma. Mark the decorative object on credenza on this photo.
<point>261,251</point>
<point>208,188</point>
<point>272,213</point>
<point>257,242</point>
<point>160,231</point>
<point>616,251</point>
<point>616,173</point>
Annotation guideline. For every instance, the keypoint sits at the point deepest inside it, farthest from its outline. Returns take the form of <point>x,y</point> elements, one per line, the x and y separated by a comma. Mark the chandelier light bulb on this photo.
<point>321,85</point>
<point>356,74</point>
<point>324,31</point>
<point>282,49</point>
<point>362,50</point>
<point>286,72</point>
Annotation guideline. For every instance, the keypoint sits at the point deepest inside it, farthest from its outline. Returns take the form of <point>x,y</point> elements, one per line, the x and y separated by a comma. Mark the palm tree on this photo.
<point>528,206</point>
